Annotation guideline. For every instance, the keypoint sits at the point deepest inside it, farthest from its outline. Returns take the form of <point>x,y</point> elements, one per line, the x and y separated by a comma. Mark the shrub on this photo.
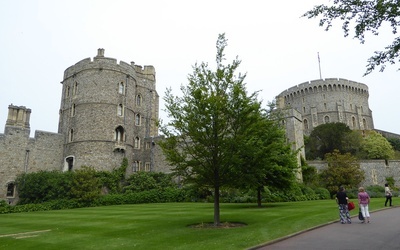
<point>151,196</point>
<point>43,186</point>
<point>322,193</point>
<point>85,186</point>
<point>143,181</point>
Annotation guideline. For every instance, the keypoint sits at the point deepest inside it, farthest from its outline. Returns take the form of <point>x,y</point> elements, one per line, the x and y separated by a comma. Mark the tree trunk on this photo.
<point>216,206</point>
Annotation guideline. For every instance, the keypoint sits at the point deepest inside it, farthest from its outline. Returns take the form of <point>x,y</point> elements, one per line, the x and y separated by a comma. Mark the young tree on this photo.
<point>205,133</point>
<point>342,170</point>
<point>368,16</point>
<point>375,146</point>
<point>267,157</point>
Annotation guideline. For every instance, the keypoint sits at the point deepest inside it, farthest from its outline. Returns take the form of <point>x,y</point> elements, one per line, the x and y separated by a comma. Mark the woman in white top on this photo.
<point>388,195</point>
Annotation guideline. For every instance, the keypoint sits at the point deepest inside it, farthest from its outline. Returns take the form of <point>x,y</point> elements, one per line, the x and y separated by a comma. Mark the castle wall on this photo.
<point>376,171</point>
<point>387,134</point>
<point>21,154</point>
<point>153,156</point>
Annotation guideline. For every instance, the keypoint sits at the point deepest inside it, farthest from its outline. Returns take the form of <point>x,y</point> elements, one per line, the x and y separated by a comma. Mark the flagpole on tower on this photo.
<point>319,65</point>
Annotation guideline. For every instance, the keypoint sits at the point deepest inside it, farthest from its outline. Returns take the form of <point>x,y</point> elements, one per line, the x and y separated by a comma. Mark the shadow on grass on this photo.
<point>255,206</point>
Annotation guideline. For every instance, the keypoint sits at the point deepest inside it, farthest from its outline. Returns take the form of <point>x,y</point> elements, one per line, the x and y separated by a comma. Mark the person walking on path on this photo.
<point>363,202</point>
<point>341,200</point>
<point>388,195</point>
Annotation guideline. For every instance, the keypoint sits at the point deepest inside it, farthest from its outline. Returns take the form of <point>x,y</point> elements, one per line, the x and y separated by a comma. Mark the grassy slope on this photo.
<point>163,226</point>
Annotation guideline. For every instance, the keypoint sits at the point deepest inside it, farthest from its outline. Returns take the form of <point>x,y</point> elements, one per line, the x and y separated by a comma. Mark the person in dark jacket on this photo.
<point>341,200</point>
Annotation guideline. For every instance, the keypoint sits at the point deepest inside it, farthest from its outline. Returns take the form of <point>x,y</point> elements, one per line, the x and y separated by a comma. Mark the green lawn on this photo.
<point>163,226</point>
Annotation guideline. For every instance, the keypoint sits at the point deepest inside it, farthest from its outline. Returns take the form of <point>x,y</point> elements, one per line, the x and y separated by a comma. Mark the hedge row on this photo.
<point>151,196</point>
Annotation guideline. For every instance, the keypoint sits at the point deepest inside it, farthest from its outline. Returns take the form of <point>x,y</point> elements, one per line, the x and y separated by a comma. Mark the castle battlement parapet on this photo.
<point>329,84</point>
<point>100,62</point>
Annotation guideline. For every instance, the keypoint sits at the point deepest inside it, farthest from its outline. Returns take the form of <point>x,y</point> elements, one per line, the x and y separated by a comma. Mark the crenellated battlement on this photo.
<point>100,62</point>
<point>323,85</point>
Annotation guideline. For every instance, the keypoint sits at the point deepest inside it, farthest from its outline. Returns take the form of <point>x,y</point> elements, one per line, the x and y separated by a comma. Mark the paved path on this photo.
<point>383,233</point>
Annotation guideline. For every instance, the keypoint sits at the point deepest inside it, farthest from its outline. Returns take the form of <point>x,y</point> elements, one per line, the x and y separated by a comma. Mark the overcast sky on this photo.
<point>39,39</point>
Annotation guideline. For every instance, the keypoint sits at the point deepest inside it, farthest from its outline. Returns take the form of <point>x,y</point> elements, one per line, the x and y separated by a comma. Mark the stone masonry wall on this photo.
<point>375,171</point>
<point>21,154</point>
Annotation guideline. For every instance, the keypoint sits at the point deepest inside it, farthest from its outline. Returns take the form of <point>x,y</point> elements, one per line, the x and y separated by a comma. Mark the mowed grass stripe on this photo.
<point>165,226</point>
<point>24,234</point>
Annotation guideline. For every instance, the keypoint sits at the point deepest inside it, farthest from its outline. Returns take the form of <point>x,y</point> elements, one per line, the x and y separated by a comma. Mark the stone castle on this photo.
<point>329,100</point>
<point>313,103</point>
<point>109,111</point>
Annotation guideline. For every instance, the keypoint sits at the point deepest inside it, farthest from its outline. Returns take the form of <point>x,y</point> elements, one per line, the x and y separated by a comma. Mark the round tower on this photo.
<point>329,100</point>
<point>108,109</point>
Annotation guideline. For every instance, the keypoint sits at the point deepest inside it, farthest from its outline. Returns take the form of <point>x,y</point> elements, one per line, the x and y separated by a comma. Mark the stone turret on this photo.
<point>329,100</point>
<point>18,116</point>
<point>108,111</point>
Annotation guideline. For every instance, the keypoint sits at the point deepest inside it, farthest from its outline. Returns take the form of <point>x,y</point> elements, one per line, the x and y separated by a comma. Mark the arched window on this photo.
<point>305,122</point>
<point>137,142</point>
<point>138,100</point>
<point>10,190</point>
<point>69,163</point>
<point>67,91</point>
<point>353,121</point>
<point>119,134</point>
<point>121,88</point>
<point>365,124</point>
<point>75,89</point>
<point>120,110</point>
<point>137,119</point>
<point>71,135</point>
<point>73,110</point>
<point>326,119</point>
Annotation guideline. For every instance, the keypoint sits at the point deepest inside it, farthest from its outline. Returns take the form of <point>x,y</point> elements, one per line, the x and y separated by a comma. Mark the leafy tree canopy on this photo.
<point>342,170</point>
<point>330,136</point>
<point>267,157</point>
<point>208,124</point>
<point>367,16</point>
<point>375,146</point>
